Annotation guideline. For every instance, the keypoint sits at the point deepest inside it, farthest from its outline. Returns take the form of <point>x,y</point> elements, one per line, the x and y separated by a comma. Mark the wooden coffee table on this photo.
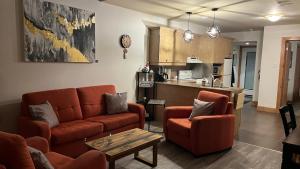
<point>125,143</point>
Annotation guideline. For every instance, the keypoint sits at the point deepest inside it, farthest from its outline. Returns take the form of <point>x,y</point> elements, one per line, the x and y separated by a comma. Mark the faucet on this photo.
<point>212,80</point>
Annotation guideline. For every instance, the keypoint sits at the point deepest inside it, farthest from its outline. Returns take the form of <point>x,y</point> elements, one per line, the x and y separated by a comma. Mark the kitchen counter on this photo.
<point>195,85</point>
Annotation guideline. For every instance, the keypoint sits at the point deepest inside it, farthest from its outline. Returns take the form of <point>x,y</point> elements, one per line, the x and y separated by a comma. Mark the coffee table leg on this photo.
<point>112,164</point>
<point>154,155</point>
<point>136,155</point>
<point>145,161</point>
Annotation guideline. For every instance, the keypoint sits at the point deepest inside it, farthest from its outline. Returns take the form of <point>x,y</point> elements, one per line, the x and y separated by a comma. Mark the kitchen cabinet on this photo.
<point>184,49</point>
<point>161,46</point>
<point>214,50</point>
<point>167,47</point>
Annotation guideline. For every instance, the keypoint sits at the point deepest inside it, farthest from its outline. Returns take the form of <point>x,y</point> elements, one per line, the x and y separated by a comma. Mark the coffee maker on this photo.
<point>161,75</point>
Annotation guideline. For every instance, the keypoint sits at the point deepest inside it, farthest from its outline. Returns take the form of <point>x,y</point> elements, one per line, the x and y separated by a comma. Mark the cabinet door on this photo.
<point>222,49</point>
<point>194,47</point>
<point>205,49</point>
<point>181,48</point>
<point>154,46</point>
<point>166,46</point>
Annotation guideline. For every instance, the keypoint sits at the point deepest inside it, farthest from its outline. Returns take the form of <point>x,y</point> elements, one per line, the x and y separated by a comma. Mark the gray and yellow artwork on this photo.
<point>58,33</point>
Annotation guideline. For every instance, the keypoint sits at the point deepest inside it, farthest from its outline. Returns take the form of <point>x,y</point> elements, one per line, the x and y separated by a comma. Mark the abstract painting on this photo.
<point>58,33</point>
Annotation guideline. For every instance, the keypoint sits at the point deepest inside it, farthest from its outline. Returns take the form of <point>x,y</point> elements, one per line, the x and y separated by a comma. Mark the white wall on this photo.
<point>18,77</point>
<point>292,71</point>
<point>271,60</point>
<point>251,36</point>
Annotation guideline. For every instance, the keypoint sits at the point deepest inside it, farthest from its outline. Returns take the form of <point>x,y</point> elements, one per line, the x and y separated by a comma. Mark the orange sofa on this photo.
<point>82,116</point>
<point>203,134</point>
<point>14,154</point>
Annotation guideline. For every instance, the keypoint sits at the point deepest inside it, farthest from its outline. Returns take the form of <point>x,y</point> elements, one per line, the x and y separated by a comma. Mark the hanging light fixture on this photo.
<point>188,35</point>
<point>214,30</point>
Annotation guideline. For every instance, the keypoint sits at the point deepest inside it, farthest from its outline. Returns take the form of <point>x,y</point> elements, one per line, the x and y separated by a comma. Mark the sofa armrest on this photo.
<point>138,108</point>
<point>29,128</point>
<point>39,143</point>
<point>92,160</point>
<point>210,133</point>
<point>175,112</point>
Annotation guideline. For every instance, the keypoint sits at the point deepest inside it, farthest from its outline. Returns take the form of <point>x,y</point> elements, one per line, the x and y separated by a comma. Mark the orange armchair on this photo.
<point>203,134</point>
<point>14,154</point>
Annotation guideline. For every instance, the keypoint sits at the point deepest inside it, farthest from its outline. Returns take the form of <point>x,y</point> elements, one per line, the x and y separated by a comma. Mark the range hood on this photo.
<point>193,59</point>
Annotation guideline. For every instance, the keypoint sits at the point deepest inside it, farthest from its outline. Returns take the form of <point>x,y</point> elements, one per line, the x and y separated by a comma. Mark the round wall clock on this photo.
<point>125,43</point>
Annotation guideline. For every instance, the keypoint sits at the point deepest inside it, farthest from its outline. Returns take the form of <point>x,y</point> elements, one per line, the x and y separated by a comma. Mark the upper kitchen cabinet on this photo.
<point>182,48</point>
<point>161,46</point>
<point>214,50</point>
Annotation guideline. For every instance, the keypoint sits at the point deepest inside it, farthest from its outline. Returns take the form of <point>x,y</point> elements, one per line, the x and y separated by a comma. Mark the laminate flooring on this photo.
<point>241,156</point>
<point>263,129</point>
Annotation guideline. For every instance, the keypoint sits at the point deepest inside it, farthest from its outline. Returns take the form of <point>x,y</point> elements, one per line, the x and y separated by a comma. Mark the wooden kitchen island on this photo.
<point>182,93</point>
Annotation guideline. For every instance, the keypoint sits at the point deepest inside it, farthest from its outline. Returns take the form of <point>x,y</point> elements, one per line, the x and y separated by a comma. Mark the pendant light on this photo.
<point>214,30</point>
<point>188,35</point>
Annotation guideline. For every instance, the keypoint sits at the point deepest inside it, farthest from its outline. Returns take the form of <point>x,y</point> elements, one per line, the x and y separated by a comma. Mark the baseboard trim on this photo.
<point>267,109</point>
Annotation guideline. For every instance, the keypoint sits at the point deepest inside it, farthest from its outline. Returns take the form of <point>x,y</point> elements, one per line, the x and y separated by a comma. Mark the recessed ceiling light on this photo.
<point>274,18</point>
<point>203,17</point>
<point>247,43</point>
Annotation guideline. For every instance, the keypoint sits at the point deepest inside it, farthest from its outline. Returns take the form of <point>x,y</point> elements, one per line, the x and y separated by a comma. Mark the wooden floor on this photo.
<point>263,129</point>
<point>241,156</point>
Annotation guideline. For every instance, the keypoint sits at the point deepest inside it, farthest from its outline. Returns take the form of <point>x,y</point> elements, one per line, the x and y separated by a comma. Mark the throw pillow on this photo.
<point>201,108</point>
<point>44,112</point>
<point>39,159</point>
<point>116,103</point>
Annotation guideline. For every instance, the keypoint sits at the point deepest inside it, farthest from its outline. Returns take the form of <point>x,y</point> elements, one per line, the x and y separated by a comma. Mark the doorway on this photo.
<point>289,72</point>
<point>249,72</point>
<point>244,67</point>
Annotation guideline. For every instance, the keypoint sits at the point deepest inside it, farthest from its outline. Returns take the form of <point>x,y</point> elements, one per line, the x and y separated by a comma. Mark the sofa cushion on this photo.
<point>182,126</point>
<point>220,101</point>
<point>115,121</point>
<point>74,130</point>
<point>64,102</point>
<point>58,160</point>
<point>39,159</point>
<point>92,99</point>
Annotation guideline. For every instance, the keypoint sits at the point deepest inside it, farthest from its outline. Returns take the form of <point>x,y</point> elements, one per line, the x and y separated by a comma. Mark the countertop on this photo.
<point>195,85</point>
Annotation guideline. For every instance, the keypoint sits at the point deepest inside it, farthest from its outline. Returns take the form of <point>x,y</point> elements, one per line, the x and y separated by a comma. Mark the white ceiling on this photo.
<point>233,15</point>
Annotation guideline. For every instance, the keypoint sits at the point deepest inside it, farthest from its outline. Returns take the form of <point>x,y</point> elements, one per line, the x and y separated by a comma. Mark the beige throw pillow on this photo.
<point>201,108</point>
<point>39,159</point>
<point>44,112</point>
<point>116,103</point>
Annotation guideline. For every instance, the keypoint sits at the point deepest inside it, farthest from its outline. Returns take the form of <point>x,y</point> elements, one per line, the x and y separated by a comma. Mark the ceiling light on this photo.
<point>247,43</point>
<point>188,35</point>
<point>214,30</point>
<point>203,17</point>
<point>274,18</point>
